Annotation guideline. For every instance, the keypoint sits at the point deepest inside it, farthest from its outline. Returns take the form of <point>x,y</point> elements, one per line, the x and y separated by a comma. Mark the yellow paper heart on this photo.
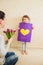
<point>25,31</point>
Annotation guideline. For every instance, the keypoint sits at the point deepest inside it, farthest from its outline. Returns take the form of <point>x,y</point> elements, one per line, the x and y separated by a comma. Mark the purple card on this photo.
<point>24,34</point>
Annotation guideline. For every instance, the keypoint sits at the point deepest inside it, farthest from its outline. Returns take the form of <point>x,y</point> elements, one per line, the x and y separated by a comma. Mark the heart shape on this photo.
<point>25,31</point>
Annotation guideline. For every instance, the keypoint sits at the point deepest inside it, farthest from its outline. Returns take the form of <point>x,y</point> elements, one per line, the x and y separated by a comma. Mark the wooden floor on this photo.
<point>34,57</point>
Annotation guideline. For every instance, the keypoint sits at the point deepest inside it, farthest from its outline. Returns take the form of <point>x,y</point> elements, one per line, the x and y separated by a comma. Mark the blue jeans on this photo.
<point>11,58</point>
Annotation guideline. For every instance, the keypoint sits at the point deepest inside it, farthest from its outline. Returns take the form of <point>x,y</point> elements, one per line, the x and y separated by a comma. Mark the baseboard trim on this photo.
<point>29,47</point>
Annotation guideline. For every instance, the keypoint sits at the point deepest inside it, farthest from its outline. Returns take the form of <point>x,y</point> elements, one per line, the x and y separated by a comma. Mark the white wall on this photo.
<point>15,9</point>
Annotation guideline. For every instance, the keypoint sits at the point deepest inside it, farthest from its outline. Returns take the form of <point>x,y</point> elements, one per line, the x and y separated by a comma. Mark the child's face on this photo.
<point>2,23</point>
<point>25,20</point>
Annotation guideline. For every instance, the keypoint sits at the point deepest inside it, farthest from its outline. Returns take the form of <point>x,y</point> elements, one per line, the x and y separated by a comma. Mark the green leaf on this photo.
<point>8,36</point>
<point>11,34</point>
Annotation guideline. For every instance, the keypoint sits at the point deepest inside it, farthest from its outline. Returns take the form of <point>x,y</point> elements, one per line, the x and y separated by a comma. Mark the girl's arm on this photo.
<point>32,27</point>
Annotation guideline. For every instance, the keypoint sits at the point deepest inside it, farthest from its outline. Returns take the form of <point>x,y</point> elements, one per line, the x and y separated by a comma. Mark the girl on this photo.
<point>24,32</point>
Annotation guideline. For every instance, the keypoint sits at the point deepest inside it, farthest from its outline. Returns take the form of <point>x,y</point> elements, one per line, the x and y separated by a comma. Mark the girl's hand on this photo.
<point>18,28</point>
<point>32,27</point>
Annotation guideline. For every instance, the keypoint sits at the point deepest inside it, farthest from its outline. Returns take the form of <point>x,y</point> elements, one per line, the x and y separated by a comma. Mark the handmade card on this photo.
<point>25,32</point>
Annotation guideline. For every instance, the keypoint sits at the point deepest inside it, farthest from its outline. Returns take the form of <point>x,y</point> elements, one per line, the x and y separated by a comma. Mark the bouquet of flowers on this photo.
<point>9,33</point>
